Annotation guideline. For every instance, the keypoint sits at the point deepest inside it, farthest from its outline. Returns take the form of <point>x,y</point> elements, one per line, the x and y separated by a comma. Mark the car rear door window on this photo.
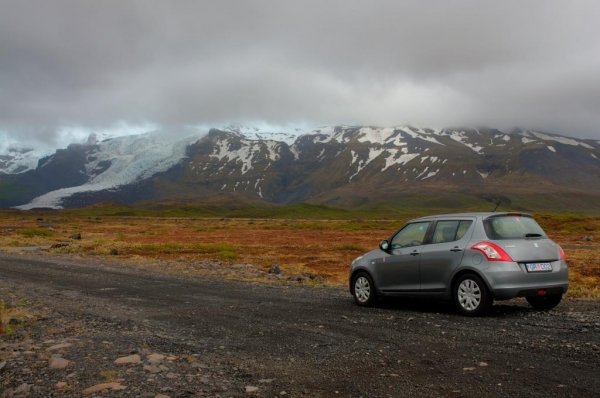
<point>463,227</point>
<point>450,231</point>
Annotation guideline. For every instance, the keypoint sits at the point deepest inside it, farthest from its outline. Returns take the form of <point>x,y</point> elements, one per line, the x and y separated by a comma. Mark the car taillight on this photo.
<point>561,253</point>
<point>491,251</point>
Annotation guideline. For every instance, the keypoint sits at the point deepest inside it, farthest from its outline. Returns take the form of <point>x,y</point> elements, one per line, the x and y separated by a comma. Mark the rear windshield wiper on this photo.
<point>533,235</point>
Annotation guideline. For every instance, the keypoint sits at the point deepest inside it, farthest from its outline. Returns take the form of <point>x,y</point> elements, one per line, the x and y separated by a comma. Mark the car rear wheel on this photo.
<point>544,302</point>
<point>363,289</point>
<point>471,296</point>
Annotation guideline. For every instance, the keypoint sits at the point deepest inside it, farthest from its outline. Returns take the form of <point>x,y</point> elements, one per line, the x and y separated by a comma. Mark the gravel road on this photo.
<point>225,338</point>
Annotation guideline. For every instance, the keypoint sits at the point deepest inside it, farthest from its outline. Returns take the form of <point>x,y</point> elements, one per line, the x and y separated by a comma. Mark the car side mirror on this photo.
<point>384,245</point>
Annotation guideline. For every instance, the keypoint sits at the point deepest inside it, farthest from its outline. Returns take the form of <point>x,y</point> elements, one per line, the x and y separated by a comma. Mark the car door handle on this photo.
<point>456,249</point>
<point>415,253</point>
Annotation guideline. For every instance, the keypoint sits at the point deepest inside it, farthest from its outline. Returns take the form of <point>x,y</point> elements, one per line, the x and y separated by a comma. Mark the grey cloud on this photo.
<point>531,64</point>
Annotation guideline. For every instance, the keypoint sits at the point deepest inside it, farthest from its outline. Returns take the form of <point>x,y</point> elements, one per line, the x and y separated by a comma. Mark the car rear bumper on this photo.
<point>508,293</point>
<point>510,280</point>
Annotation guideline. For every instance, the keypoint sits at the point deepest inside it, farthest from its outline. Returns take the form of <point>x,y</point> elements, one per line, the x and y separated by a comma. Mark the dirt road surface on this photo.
<point>224,338</point>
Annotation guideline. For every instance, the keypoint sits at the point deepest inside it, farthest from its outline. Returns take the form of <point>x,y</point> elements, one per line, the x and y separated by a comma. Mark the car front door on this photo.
<point>398,270</point>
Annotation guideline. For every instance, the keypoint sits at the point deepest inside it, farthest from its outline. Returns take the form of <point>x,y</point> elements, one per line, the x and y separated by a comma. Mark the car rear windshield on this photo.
<point>512,227</point>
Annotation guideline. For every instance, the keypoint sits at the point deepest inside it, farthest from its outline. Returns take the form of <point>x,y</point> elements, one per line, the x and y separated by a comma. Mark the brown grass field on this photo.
<point>317,251</point>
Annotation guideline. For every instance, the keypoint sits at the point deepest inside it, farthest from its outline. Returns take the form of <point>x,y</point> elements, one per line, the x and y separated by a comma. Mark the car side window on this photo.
<point>463,227</point>
<point>411,235</point>
<point>445,231</point>
<point>450,231</point>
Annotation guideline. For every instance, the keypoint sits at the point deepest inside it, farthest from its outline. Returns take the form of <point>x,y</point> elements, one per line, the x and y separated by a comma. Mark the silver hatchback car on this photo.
<point>471,258</point>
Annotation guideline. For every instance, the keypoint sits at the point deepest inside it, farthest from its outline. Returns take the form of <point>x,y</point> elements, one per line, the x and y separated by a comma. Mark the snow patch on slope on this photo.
<point>267,133</point>
<point>483,175</point>
<point>561,140</point>
<point>527,140</point>
<point>394,159</point>
<point>248,153</point>
<point>373,154</point>
<point>421,134</point>
<point>461,137</point>
<point>431,174</point>
<point>375,135</point>
<point>329,134</point>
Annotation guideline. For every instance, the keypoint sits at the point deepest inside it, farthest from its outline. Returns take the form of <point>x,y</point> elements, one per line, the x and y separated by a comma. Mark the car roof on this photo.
<point>471,215</point>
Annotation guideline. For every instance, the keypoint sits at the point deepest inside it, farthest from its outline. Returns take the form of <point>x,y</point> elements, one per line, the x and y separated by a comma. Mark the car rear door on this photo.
<point>444,253</point>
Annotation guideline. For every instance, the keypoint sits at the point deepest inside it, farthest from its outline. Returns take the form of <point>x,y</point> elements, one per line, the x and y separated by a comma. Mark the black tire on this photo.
<point>471,295</point>
<point>544,302</point>
<point>363,290</point>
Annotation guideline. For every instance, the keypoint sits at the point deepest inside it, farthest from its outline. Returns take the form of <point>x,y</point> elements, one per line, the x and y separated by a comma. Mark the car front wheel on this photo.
<point>544,302</point>
<point>363,289</point>
<point>471,296</point>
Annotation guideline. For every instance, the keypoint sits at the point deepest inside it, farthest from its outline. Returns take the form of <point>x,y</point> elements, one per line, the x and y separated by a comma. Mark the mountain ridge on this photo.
<point>339,165</point>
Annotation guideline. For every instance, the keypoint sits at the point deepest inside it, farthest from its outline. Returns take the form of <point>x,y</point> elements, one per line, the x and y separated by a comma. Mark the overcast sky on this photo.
<point>97,65</point>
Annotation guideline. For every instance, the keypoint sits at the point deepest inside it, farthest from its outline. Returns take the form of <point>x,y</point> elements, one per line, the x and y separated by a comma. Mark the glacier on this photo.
<point>132,158</point>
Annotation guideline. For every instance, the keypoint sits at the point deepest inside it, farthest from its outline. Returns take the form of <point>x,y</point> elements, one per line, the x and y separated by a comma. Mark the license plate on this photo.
<point>538,267</point>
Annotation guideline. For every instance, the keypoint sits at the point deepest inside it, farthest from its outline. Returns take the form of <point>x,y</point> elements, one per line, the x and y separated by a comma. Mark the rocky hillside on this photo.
<point>341,166</point>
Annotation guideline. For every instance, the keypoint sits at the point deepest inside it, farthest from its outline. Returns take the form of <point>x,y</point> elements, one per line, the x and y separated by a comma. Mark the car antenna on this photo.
<point>497,205</point>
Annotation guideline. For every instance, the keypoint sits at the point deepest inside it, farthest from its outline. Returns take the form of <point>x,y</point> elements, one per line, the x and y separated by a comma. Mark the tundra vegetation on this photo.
<point>316,243</point>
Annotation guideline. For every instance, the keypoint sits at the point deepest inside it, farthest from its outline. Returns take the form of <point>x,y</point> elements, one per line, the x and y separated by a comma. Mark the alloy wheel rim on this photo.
<point>362,289</point>
<point>469,295</point>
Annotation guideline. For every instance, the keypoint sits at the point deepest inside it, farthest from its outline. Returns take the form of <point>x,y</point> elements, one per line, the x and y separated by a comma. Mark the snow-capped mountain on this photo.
<point>265,133</point>
<point>15,160</point>
<point>341,165</point>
